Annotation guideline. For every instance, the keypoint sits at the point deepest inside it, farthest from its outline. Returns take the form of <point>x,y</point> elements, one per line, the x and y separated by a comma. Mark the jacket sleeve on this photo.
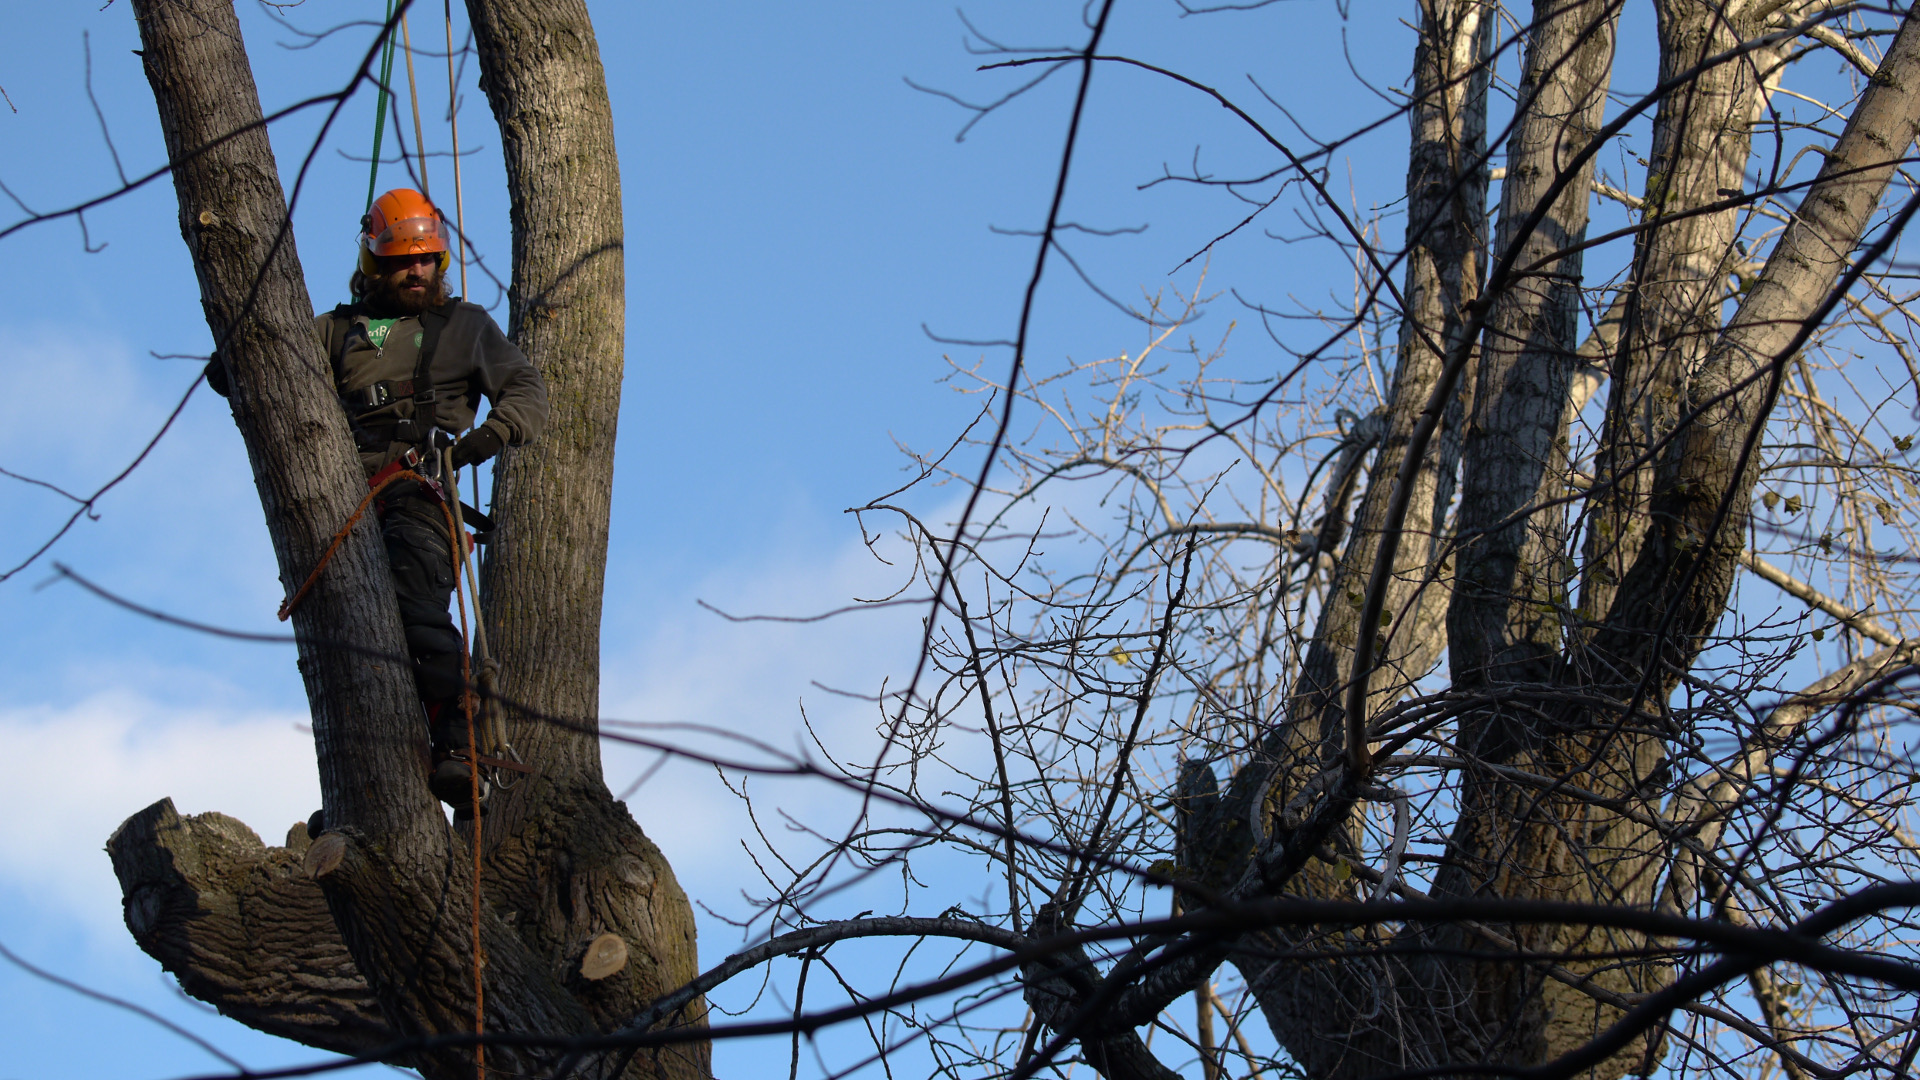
<point>513,386</point>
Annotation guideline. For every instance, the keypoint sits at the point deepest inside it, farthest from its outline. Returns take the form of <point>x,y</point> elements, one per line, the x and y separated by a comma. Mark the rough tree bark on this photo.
<point>361,937</point>
<point>1503,623</point>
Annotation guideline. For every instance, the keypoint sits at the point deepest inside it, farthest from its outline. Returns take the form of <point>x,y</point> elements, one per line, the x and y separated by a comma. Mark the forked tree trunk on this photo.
<point>361,938</point>
<point>1664,570</point>
<point>1447,179</point>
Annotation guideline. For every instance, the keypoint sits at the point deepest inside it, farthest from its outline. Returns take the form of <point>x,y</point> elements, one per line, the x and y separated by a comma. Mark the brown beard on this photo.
<point>383,298</point>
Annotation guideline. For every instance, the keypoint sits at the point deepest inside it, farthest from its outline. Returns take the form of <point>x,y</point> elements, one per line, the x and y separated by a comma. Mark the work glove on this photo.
<point>477,446</point>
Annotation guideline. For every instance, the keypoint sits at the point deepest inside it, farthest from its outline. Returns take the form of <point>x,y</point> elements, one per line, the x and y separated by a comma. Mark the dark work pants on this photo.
<point>413,526</point>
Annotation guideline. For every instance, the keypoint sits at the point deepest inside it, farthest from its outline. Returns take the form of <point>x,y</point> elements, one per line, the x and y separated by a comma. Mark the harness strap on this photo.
<point>415,430</point>
<point>419,428</point>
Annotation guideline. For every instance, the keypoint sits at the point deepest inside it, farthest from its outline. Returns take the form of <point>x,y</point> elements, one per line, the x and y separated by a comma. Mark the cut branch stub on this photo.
<point>606,955</point>
<point>324,855</point>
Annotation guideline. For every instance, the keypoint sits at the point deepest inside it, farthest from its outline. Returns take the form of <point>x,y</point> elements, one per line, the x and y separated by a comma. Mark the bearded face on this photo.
<point>406,284</point>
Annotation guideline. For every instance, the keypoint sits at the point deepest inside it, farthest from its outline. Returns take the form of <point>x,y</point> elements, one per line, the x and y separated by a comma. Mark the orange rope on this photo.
<point>466,707</point>
<point>291,602</point>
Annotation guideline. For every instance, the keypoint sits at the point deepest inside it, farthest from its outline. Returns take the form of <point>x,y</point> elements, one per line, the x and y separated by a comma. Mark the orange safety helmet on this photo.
<point>402,222</point>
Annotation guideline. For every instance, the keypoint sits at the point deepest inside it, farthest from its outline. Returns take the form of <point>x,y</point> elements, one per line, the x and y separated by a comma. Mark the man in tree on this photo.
<point>411,365</point>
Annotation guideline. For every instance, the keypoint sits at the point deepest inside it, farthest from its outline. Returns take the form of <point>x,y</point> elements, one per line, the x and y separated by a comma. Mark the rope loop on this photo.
<point>291,602</point>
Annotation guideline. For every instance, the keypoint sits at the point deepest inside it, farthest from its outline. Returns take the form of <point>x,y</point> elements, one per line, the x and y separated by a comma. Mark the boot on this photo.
<point>450,777</point>
<point>452,783</point>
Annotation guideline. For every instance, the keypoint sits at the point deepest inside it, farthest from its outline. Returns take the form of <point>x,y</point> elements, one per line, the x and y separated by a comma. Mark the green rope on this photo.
<point>380,108</point>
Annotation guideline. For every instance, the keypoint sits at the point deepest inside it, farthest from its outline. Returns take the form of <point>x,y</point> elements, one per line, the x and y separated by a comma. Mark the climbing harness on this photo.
<point>413,430</point>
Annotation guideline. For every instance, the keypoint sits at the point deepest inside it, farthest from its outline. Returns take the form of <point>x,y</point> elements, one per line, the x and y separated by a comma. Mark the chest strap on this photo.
<point>418,428</point>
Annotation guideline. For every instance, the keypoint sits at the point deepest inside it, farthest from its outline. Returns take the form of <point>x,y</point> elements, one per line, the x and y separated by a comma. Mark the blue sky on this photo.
<point>796,215</point>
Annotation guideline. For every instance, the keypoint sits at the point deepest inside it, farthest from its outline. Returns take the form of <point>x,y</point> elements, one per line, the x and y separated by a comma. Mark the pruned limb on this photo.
<point>402,923</point>
<point>243,927</point>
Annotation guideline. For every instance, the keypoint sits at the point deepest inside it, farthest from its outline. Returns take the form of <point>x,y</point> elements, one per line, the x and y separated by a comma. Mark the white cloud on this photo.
<point>76,771</point>
<point>752,679</point>
<point>87,762</point>
<point>82,765</point>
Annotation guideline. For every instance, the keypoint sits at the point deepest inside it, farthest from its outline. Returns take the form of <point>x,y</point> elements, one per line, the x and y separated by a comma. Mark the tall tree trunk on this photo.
<point>567,857</point>
<point>1677,587</point>
<point>545,573</point>
<point>566,866</point>
<point>1447,182</point>
<point>1702,138</point>
<point>1314,1010</point>
<point>1504,625</point>
<point>233,218</point>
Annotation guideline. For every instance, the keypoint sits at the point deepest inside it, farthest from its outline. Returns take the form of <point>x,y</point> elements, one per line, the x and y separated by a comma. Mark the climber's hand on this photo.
<point>476,446</point>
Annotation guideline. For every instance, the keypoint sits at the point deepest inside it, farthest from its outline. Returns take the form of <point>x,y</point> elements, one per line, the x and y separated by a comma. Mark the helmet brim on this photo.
<point>410,236</point>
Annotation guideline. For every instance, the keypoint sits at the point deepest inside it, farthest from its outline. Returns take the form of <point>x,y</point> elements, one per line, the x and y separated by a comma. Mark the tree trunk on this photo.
<point>1504,625</point>
<point>1446,188</point>
<point>567,857</point>
<point>233,217</point>
<point>546,568</point>
<point>1702,138</point>
<point>1447,182</point>
<point>1677,587</point>
<point>240,923</point>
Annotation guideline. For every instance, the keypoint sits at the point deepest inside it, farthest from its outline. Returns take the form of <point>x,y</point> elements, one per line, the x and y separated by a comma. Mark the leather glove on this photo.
<point>477,446</point>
